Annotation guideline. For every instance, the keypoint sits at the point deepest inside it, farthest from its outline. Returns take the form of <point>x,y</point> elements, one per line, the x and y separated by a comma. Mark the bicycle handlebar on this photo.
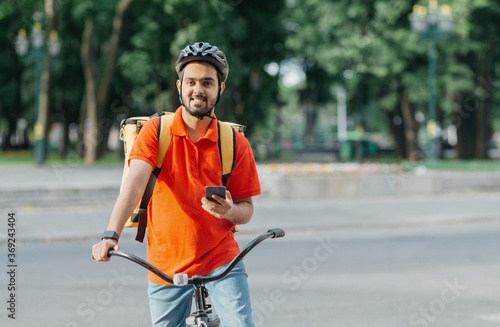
<point>272,233</point>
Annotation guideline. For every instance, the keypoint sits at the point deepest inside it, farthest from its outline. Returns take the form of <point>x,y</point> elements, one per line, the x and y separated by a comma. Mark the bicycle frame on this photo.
<point>202,315</point>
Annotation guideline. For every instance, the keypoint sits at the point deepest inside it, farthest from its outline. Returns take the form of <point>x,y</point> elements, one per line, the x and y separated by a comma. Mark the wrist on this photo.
<point>110,235</point>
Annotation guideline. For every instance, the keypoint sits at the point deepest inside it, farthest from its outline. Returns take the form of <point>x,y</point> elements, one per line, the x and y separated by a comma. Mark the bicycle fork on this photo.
<point>202,315</point>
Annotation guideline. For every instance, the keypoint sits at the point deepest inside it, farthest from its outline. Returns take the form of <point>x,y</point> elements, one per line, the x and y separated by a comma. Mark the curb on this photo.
<point>98,186</point>
<point>325,186</point>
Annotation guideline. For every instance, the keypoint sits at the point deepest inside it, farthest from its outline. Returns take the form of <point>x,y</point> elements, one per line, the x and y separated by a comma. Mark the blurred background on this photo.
<point>375,125</point>
<point>383,81</point>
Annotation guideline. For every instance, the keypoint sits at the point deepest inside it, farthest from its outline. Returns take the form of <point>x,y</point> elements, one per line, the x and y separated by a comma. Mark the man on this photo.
<point>186,232</point>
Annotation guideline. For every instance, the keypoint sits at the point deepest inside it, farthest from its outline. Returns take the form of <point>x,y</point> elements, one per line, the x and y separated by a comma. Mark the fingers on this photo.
<point>208,206</point>
<point>100,250</point>
<point>224,202</point>
<point>217,210</point>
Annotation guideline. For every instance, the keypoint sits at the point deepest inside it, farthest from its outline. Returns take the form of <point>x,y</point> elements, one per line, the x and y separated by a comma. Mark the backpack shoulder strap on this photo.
<point>227,149</point>
<point>164,138</point>
<point>164,141</point>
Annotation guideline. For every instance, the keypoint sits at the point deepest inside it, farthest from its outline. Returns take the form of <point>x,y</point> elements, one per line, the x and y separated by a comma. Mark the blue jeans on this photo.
<point>171,305</point>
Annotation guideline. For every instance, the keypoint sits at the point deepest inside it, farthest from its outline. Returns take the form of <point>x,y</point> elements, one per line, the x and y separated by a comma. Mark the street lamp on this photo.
<point>432,23</point>
<point>37,55</point>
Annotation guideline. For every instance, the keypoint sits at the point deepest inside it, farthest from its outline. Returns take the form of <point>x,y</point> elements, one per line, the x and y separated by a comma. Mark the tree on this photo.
<point>14,15</point>
<point>45,87</point>
<point>373,40</point>
<point>235,27</point>
<point>97,87</point>
<point>147,66</point>
<point>316,92</point>
<point>471,85</point>
<point>68,79</point>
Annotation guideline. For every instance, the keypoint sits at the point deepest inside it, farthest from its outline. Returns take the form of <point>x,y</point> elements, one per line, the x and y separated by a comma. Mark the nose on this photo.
<point>197,89</point>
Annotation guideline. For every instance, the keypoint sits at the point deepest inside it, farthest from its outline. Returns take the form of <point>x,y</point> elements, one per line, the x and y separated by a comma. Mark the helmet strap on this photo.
<point>208,113</point>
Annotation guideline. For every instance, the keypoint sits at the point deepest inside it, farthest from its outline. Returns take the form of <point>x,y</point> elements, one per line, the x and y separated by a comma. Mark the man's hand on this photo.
<point>100,250</point>
<point>236,211</point>
<point>220,209</point>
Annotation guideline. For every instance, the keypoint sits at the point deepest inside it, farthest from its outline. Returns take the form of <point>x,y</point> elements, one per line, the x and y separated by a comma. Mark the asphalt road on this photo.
<point>368,266</point>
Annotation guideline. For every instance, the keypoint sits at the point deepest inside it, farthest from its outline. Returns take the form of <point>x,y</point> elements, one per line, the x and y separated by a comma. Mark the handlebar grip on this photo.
<point>277,232</point>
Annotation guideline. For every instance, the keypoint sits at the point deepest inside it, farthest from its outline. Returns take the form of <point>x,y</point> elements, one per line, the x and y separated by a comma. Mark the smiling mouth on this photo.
<point>198,99</point>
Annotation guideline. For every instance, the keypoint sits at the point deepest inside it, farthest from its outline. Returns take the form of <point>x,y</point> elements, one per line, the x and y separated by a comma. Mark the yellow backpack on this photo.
<point>129,130</point>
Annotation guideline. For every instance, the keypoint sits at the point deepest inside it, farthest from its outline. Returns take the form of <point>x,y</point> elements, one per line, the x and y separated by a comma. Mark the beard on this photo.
<point>195,108</point>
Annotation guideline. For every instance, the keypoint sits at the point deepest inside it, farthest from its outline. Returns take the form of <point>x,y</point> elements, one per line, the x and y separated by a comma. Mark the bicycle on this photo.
<point>202,316</point>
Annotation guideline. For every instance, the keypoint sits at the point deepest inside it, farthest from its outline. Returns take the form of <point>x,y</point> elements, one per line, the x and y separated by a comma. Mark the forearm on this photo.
<point>241,212</point>
<point>130,195</point>
<point>124,207</point>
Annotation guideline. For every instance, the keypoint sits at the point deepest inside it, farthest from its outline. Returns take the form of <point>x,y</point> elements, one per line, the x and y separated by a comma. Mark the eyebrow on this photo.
<point>208,78</point>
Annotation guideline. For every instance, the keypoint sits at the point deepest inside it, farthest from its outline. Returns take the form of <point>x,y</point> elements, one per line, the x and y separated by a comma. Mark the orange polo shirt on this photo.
<point>182,237</point>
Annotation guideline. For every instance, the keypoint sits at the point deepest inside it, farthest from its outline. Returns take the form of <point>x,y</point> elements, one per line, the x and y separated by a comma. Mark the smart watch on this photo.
<point>110,234</point>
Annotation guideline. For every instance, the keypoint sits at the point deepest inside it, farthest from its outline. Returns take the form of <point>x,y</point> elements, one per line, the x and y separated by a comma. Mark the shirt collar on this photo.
<point>179,129</point>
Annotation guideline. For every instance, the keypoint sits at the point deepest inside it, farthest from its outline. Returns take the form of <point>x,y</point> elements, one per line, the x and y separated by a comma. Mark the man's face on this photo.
<point>200,88</point>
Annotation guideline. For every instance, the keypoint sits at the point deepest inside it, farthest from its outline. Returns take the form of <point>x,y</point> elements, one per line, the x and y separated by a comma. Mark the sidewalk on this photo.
<point>66,186</point>
<point>62,204</point>
<point>58,186</point>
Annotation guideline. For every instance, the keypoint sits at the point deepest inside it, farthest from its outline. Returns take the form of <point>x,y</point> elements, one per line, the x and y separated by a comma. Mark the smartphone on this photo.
<point>217,190</point>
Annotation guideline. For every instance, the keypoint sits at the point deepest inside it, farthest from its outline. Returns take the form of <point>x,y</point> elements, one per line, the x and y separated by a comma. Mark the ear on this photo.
<point>222,87</point>
<point>178,86</point>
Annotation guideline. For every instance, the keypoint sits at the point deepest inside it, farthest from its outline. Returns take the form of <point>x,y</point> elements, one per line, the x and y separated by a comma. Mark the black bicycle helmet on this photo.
<point>203,51</point>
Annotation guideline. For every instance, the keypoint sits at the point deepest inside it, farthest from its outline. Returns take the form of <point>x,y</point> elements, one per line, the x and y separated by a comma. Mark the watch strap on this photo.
<point>110,234</point>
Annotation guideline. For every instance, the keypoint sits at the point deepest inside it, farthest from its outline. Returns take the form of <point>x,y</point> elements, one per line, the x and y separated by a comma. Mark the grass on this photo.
<point>25,159</point>
<point>463,165</point>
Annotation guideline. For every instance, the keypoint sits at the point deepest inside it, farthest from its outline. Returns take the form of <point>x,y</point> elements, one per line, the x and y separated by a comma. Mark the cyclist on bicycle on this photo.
<point>186,232</point>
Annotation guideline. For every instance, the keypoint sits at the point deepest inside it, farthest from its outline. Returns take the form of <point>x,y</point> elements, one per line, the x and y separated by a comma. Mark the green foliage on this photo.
<point>365,45</point>
<point>133,63</point>
<point>373,40</point>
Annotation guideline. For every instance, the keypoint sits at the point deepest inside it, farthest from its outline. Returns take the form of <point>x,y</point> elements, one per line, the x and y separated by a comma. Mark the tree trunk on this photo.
<point>97,95</point>
<point>11,130</point>
<point>12,115</point>
<point>80,144</point>
<point>465,121</point>
<point>397,132</point>
<point>482,131</point>
<point>413,151</point>
<point>105,85</point>
<point>44,96</point>
<point>473,120</point>
<point>310,121</point>
<point>113,52</point>
<point>483,122</point>
<point>63,116</point>
<point>90,124</point>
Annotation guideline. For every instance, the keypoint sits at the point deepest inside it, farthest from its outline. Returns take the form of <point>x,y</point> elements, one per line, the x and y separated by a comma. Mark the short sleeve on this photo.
<point>146,145</point>
<point>244,180</point>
